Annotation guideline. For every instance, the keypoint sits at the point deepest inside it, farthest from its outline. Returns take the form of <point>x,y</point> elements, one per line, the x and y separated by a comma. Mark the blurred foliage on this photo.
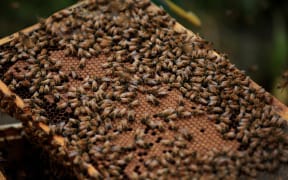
<point>16,15</point>
<point>252,32</point>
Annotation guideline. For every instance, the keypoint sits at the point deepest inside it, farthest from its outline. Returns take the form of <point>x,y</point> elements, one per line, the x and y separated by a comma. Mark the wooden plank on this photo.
<point>15,35</point>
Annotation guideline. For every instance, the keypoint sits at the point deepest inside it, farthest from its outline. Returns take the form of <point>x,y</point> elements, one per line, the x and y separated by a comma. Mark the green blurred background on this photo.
<point>252,32</point>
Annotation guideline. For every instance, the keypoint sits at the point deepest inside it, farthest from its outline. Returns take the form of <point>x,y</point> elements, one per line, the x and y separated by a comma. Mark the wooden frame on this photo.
<point>21,112</point>
<point>280,107</point>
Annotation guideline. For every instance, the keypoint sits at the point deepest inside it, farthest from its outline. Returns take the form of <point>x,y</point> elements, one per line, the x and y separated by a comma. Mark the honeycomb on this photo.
<point>128,95</point>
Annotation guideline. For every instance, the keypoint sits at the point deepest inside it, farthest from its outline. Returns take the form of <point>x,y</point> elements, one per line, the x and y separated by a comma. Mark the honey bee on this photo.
<point>225,83</point>
<point>167,142</point>
<point>80,90</point>
<point>46,89</point>
<point>131,115</point>
<point>176,85</point>
<point>57,79</point>
<point>151,163</point>
<point>165,77</point>
<point>115,113</point>
<point>94,86</point>
<point>107,111</point>
<point>33,88</point>
<point>62,105</point>
<point>103,86</point>
<point>217,110</point>
<point>172,78</point>
<point>213,100</point>
<point>141,143</point>
<point>187,86</point>
<point>125,100</point>
<point>122,112</point>
<point>166,112</point>
<point>87,110</point>
<point>108,123</point>
<point>40,118</point>
<point>99,94</point>
<point>221,127</point>
<point>124,124</point>
<point>82,63</point>
<point>185,114</point>
<point>134,103</point>
<point>86,85</point>
<point>60,88</point>
<point>173,116</point>
<point>152,99</point>
<point>134,175</point>
<point>186,134</point>
<point>230,135</point>
<point>183,90</point>
<point>127,94</point>
<point>145,119</point>
<point>151,82</point>
<point>179,144</point>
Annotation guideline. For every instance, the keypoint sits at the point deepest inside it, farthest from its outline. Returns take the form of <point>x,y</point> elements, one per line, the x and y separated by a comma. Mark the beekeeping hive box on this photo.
<point>119,89</point>
<point>19,159</point>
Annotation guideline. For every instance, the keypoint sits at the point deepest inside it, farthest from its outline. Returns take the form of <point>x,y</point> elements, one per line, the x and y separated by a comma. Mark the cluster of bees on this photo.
<point>103,118</point>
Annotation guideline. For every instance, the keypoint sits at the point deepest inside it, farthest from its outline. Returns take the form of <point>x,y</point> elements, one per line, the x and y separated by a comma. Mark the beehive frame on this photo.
<point>14,105</point>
